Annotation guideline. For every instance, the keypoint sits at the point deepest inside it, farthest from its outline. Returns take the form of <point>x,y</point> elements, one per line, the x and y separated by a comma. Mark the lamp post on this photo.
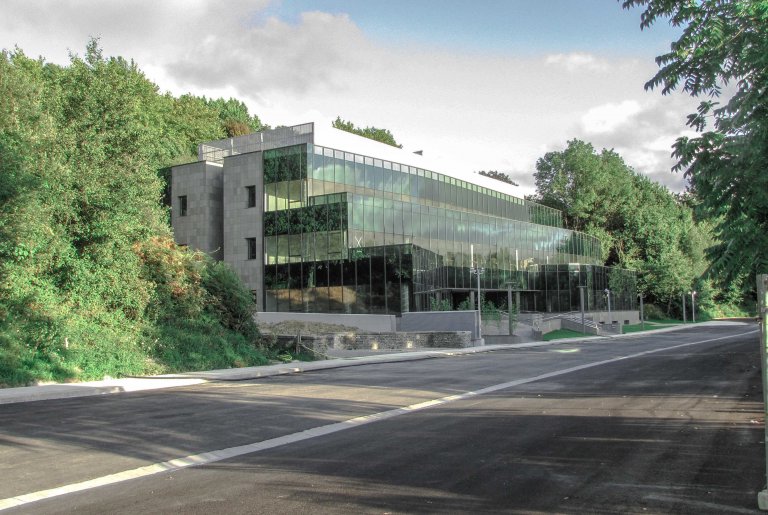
<point>608,295</point>
<point>581,304</point>
<point>642,314</point>
<point>510,303</point>
<point>762,313</point>
<point>693,306</point>
<point>477,271</point>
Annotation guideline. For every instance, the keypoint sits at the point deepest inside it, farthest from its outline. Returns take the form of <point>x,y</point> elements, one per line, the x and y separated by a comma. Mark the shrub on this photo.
<point>202,344</point>
<point>441,305</point>
<point>652,312</point>
<point>229,300</point>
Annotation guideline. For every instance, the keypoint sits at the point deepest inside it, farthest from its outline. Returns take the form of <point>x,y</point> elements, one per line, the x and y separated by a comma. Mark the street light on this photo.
<point>642,315</point>
<point>608,295</point>
<point>581,304</point>
<point>510,303</point>
<point>693,305</point>
<point>477,271</point>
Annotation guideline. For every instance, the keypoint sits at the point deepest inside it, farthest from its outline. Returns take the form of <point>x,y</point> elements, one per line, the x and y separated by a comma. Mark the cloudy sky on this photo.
<point>490,84</point>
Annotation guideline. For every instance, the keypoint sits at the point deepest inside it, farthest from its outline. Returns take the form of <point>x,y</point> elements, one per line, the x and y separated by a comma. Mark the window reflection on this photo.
<point>353,234</point>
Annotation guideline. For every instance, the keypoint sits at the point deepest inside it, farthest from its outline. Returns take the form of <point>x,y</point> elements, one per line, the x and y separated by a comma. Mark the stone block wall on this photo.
<point>201,227</point>
<point>243,222</point>
<point>363,323</point>
<point>320,344</point>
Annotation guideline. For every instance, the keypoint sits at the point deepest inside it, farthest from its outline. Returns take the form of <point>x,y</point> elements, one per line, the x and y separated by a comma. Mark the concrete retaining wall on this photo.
<point>576,326</point>
<point>617,317</point>
<point>440,321</point>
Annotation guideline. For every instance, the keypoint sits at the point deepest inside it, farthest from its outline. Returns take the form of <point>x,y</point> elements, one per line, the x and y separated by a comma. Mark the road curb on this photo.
<point>134,384</point>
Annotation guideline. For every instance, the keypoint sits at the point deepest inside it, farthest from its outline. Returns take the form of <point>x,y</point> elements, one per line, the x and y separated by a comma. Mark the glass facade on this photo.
<point>354,234</point>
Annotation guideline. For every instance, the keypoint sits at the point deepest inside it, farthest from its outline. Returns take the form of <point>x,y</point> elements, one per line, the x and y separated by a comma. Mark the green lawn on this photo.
<point>634,328</point>
<point>651,324</point>
<point>563,333</point>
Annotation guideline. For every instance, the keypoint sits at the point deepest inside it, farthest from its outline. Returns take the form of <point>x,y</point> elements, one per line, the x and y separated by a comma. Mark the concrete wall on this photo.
<point>367,323</point>
<point>549,324</point>
<point>241,221</point>
<point>618,317</point>
<point>440,321</point>
<point>201,228</point>
<point>576,326</point>
<point>496,327</point>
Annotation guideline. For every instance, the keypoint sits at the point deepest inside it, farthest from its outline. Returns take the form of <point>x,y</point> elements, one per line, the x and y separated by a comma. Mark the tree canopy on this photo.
<point>234,116</point>
<point>92,282</point>
<point>499,176</point>
<point>380,135</point>
<point>640,224</point>
<point>722,53</point>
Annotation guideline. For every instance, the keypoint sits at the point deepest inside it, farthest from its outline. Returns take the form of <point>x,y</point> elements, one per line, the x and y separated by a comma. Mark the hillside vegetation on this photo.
<point>641,226</point>
<point>91,282</point>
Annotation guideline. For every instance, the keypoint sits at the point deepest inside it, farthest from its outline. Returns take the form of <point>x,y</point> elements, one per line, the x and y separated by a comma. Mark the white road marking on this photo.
<point>704,505</point>
<point>232,452</point>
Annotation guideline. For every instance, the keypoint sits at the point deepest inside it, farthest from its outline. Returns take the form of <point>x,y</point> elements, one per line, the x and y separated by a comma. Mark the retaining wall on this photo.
<point>366,323</point>
<point>440,321</point>
<point>319,344</point>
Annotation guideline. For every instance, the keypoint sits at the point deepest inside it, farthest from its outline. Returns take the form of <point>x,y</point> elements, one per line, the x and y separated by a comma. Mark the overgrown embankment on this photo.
<point>91,283</point>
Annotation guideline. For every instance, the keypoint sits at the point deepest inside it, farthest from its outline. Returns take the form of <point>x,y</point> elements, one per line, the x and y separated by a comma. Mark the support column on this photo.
<point>762,315</point>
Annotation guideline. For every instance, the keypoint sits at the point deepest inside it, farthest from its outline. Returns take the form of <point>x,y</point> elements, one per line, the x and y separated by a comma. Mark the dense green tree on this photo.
<point>235,118</point>
<point>723,50</point>
<point>586,186</point>
<point>640,224</point>
<point>192,120</point>
<point>91,282</point>
<point>380,135</point>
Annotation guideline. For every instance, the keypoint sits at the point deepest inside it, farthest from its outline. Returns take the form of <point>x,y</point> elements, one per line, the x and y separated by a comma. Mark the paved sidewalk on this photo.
<point>133,384</point>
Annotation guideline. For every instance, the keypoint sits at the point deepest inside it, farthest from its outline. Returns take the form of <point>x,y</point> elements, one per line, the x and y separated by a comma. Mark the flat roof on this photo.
<point>327,136</point>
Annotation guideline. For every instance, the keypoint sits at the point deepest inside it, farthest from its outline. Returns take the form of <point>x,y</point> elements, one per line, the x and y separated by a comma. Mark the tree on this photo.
<point>723,49</point>
<point>380,135</point>
<point>640,224</point>
<point>192,120</point>
<point>584,185</point>
<point>235,118</point>
<point>499,176</point>
<point>92,282</point>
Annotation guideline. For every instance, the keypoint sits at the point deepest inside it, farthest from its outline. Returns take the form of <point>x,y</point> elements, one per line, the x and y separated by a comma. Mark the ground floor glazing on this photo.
<point>393,279</point>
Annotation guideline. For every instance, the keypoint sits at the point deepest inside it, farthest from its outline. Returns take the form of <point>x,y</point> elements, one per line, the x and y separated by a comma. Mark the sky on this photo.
<point>488,85</point>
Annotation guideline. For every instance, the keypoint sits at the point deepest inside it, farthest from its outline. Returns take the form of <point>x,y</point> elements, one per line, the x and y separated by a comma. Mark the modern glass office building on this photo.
<point>324,221</point>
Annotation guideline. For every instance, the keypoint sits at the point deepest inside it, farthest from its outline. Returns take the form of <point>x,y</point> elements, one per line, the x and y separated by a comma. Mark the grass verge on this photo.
<point>651,324</point>
<point>559,334</point>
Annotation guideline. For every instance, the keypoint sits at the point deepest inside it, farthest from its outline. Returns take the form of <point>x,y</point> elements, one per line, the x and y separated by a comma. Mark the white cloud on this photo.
<point>277,56</point>
<point>642,131</point>
<point>577,61</point>
<point>497,112</point>
<point>607,117</point>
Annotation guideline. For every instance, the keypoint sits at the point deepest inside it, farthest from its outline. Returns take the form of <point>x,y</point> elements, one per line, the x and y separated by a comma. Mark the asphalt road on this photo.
<point>665,423</point>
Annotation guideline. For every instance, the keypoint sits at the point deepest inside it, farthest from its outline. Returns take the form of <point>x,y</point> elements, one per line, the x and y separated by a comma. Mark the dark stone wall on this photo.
<point>378,341</point>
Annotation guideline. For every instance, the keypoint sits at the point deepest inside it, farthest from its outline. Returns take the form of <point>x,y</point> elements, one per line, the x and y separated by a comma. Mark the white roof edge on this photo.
<point>327,136</point>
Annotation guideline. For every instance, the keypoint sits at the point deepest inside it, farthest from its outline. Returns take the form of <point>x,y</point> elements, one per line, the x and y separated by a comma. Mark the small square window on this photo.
<point>183,205</point>
<point>251,244</point>
<point>251,192</point>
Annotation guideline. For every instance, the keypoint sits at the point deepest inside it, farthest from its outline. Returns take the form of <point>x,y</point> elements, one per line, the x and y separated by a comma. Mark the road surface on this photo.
<point>663,423</point>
